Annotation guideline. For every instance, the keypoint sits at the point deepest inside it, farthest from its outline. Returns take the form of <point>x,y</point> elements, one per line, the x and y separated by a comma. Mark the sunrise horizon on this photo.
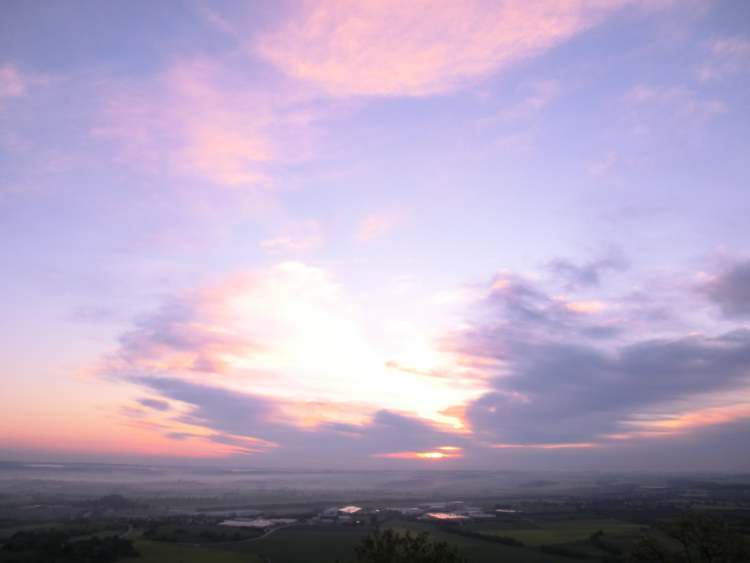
<point>474,235</point>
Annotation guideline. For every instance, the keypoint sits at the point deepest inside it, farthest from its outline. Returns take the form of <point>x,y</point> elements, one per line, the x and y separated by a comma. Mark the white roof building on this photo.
<point>350,509</point>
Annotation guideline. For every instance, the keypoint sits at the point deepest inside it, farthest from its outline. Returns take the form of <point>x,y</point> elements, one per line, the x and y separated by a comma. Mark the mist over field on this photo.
<point>215,514</point>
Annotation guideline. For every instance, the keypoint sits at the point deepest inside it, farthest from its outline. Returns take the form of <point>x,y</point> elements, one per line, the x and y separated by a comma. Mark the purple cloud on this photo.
<point>730,290</point>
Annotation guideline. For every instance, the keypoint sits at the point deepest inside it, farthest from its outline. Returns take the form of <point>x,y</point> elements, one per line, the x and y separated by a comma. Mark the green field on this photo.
<point>305,544</point>
<point>199,533</point>
<point>480,551</point>
<point>160,552</point>
<point>569,531</point>
<point>324,545</point>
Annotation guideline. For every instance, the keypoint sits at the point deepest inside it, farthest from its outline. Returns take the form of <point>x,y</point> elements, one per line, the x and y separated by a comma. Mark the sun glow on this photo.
<point>439,453</point>
<point>293,325</point>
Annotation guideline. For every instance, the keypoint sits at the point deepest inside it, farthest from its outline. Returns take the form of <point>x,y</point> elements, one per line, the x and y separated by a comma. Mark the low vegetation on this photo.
<point>695,537</point>
<point>393,547</point>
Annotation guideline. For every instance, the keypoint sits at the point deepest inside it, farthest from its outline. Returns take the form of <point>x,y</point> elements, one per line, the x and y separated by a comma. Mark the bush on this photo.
<point>391,547</point>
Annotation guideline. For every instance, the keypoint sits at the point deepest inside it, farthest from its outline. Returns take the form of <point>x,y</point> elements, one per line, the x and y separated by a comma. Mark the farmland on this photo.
<point>160,552</point>
<point>321,517</point>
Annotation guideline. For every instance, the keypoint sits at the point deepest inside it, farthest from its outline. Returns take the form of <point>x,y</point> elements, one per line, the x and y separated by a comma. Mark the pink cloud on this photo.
<point>726,56</point>
<point>541,94</point>
<point>206,119</point>
<point>603,166</point>
<point>285,331</point>
<point>682,101</point>
<point>304,236</point>
<point>561,446</point>
<point>392,48</point>
<point>375,226</point>
<point>585,307</point>
<point>12,84</point>
<point>685,422</point>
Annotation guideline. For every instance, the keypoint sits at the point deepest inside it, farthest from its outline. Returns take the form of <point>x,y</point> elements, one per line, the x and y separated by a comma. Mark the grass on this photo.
<point>481,551</point>
<point>160,552</point>
<point>306,544</point>
<point>326,544</point>
<point>200,533</point>
<point>569,531</point>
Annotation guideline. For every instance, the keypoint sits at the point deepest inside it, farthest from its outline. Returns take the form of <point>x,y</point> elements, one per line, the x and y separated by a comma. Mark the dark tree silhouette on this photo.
<point>693,538</point>
<point>394,547</point>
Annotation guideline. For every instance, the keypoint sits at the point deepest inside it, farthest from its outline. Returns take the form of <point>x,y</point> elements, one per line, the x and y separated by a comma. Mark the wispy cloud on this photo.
<point>588,274</point>
<point>682,103</point>
<point>12,83</point>
<point>351,48</point>
<point>299,237</point>
<point>730,290</point>
<point>375,226</point>
<point>726,56</point>
<point>206,120</point>
<point>540,94</point>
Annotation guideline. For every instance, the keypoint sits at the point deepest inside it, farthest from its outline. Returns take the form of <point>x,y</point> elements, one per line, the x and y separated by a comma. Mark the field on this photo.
<point>482,551</point>
<point>308,544</point>
<point>326,544</point>
<point>160,552</point>
<point>323,545</point>
<point>196,533</point>
<point>569,531</point>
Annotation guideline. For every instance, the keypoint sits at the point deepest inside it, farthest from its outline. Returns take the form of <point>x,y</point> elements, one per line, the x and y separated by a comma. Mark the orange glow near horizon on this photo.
<point>440,453</point>
<point>572,445</point>
<point>684,422</point>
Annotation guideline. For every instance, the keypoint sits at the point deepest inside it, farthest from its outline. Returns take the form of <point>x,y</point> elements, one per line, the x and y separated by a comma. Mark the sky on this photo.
<point>456,234</point>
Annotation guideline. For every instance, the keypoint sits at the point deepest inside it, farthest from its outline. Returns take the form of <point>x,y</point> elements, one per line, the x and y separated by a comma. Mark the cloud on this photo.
<point>274,362</point>
<point>12,84</point>
<point>304,236</point>
<point>730,290</point>
<point>603,166</point>
<point>541,94</point>
<point>727,56</point>
<point>390,48</point>
<point>375,226</point>
<point>290,334</point>
<point>587,274</point>
<point>182,336</point>
<point>568,372</point>
<point>206,119</point>
<point>251,424</point>
<point>568,393</point>
<point>681,103</point>
<point>213,407</point>
<point>516,310</point>
<point>156,404</point>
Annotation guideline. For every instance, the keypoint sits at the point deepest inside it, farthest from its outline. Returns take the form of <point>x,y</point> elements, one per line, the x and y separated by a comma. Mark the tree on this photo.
<point>695,538</point>
<point>394,547</point>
